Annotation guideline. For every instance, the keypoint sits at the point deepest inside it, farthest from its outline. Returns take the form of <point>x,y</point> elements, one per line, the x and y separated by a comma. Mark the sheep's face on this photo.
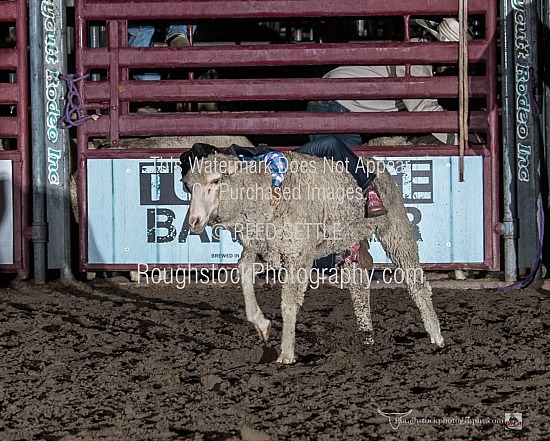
<point>204,183</point>
<point>204,200</point>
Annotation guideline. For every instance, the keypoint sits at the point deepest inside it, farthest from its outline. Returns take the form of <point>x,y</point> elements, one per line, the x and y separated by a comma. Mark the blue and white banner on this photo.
<point>140,215</point>
<point>6,212</point>
<point>446,215</point>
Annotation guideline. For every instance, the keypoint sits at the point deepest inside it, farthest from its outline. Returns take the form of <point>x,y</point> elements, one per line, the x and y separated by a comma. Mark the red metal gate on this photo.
<point>115,93</point>
<point>14,177</point>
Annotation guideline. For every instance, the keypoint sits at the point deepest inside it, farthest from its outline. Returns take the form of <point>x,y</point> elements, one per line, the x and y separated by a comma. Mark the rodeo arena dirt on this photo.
<point>117,360</point>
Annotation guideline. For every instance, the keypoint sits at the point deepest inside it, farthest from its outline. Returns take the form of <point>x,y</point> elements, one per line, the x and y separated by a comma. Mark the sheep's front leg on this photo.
<point>292,299</point>
<point>253,312</point>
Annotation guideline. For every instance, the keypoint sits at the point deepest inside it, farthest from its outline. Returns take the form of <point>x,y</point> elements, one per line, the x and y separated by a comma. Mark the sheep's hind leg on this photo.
<point>400,246</point>
<point>360,296</point>
<point>421,292</point>
<point>253,312</point>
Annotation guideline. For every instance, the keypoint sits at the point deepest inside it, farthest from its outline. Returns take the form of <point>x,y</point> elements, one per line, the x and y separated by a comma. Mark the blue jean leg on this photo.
<point>140,36</point>
<point>179,29</point>
<point>329,106</point>
<point>332,147</point>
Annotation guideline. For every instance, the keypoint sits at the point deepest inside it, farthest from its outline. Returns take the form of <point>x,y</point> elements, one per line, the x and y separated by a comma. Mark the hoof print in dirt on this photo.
<point>269,355</point>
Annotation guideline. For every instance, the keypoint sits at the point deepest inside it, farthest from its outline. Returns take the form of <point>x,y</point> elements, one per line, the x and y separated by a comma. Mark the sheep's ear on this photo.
<point>202,150</point>
<point>186,160</point>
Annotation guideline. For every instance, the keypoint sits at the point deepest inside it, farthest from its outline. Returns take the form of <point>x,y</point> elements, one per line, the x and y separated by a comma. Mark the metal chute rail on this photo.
<point>265,81</point>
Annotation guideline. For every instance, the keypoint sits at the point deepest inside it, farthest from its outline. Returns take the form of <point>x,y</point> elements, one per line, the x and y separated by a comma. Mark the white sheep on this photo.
<point>221,177</point>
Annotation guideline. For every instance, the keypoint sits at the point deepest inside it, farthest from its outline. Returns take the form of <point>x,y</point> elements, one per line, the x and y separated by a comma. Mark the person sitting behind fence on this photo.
<point>446,30</point>
<point>142,36</point>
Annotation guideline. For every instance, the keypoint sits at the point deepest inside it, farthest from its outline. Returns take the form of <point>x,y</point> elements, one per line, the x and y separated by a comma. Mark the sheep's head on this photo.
<point>203,171</point>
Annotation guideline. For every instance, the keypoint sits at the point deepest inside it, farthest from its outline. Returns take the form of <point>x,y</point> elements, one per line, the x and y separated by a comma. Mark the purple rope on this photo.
<point>74,104</point>
<point>533,272</point>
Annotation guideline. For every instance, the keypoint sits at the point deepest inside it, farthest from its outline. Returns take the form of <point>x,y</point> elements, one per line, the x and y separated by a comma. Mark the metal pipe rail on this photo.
<point>278,89</point>
<point>283,55</point>
<point>196,9</point>
<point>273,123</point>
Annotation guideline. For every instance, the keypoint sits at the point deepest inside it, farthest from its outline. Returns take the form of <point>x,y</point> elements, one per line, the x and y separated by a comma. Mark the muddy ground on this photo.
<point>108,361</point>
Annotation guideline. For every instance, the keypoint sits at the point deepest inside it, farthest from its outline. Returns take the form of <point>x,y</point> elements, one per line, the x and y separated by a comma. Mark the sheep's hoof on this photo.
<point>264,333</point>
<point>286,360</point>
<point>439,342</point>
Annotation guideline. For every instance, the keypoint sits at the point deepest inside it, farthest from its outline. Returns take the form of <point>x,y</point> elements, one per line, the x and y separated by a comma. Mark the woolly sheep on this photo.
<point>343,224</point>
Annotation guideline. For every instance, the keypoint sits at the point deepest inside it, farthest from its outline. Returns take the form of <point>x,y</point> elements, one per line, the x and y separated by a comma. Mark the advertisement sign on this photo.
<point>141,216</point>
<point>446,215</point>
<point>140,213</point>
<point>6,212</point>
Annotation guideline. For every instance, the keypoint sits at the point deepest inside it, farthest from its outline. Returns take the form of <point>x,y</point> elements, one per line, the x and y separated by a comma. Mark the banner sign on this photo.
<point>446,215</point>
<point>6,213</point>
<point>140,213</point>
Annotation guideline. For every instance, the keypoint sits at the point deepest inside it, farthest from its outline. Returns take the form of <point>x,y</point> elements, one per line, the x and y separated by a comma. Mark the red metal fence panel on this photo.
<point>14,147</point>
<point>277,79</point>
